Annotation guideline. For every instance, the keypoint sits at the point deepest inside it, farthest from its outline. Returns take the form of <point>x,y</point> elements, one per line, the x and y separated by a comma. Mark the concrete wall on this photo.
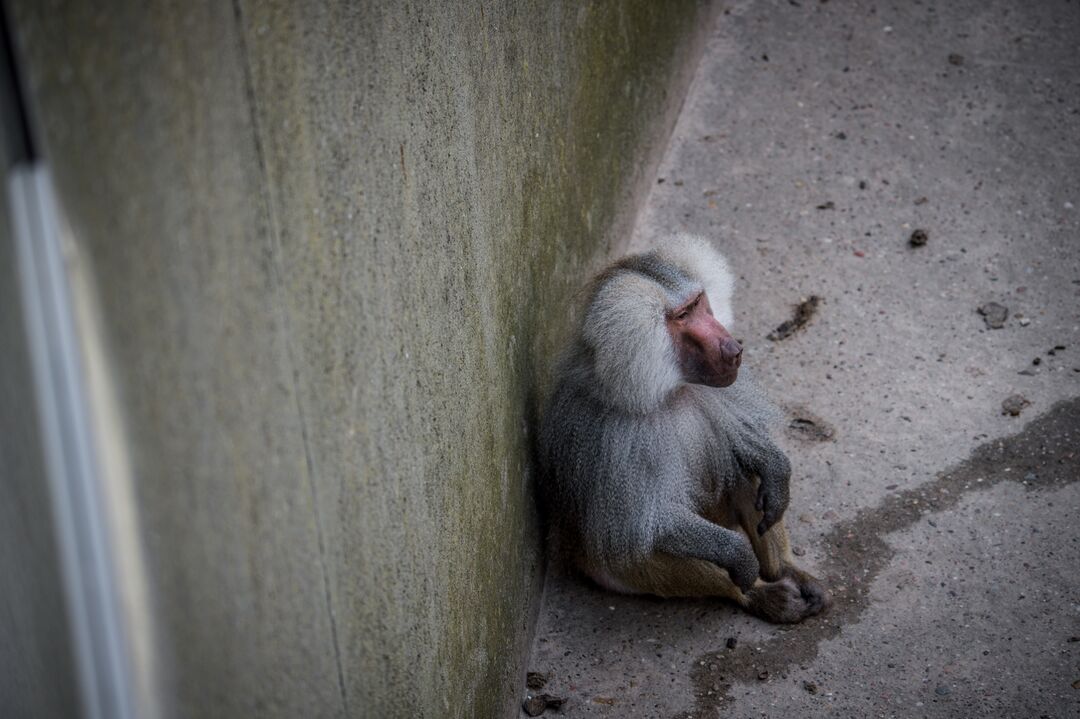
<point>334,244</point>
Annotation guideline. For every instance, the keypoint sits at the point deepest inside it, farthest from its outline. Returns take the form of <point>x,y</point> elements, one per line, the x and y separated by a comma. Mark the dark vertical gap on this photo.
<point>17,137</point>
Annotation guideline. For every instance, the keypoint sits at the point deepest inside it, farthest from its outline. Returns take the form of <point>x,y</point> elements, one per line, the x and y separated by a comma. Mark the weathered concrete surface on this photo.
<point>955,596</point>
<point>333,242</point>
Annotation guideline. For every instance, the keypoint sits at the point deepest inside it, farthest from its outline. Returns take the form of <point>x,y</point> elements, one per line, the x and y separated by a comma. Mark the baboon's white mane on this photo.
<point>634,360</point>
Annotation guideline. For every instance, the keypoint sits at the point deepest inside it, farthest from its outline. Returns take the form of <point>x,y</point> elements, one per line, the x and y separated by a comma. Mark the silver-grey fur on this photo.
<point>639,463</point>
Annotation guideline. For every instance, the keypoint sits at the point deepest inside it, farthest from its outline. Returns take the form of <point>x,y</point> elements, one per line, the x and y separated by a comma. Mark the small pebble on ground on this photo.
<point>1014,404</point>
<point>994,315</point>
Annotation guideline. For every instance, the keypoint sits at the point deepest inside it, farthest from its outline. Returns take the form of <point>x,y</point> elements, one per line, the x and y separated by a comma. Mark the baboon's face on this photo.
<point>707,352</point>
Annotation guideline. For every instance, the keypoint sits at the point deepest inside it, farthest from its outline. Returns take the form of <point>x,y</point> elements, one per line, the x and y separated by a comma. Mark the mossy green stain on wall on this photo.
<point>335,245</point>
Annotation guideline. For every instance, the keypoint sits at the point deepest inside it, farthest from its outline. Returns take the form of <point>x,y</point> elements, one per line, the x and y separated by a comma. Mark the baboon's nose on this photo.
<point>731,350</point>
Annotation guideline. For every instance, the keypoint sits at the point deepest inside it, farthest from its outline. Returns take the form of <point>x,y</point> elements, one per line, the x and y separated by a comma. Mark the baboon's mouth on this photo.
<point>728,375</point>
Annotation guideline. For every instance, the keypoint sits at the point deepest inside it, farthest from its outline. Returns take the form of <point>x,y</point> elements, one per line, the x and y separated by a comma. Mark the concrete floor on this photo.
<point>816,137</point>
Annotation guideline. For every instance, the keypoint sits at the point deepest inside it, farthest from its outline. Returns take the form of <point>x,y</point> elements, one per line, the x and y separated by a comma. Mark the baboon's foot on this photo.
<point>790,599</point>
<point>812,590</point>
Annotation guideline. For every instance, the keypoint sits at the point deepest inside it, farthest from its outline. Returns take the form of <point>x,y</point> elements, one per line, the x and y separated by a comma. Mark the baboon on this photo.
<point>658,472</point>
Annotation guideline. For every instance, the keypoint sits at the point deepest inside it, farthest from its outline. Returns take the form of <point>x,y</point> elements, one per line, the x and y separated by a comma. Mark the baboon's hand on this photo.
<point>772,502</point>
<point>742,565</point>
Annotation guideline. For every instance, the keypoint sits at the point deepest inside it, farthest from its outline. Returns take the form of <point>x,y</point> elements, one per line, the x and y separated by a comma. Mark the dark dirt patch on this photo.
<point>804,312</point>
<point>807,427</point>
<point>535,706</point>
<point>1046,454</point>
<point>535,680</point>
<point>918,237</point>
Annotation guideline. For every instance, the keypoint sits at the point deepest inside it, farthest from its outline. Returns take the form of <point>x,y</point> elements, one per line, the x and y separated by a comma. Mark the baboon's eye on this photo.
<point>685,311</point>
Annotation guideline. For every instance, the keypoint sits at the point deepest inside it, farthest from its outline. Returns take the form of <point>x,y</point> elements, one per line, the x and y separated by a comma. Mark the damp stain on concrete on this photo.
<point>1046,453</point>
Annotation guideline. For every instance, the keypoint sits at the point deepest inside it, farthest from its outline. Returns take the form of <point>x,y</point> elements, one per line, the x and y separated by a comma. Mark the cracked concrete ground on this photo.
<point>816,138</point>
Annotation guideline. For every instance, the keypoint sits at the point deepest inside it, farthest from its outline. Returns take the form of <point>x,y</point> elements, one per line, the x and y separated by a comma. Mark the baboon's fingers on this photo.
<point>814,594</point>
<point>743,577</point>
<point>772,500</point>
<point>771,515</point>
<point>743,566</point>
<point>766,524</point>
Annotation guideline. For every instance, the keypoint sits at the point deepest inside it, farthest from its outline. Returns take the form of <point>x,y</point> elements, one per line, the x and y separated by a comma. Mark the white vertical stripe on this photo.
<point>86,461</point>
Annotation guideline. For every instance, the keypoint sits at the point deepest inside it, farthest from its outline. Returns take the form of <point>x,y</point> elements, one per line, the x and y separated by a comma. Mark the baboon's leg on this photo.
<point>666,575</point>
<point>773,551</point>
<point>778,564</point>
